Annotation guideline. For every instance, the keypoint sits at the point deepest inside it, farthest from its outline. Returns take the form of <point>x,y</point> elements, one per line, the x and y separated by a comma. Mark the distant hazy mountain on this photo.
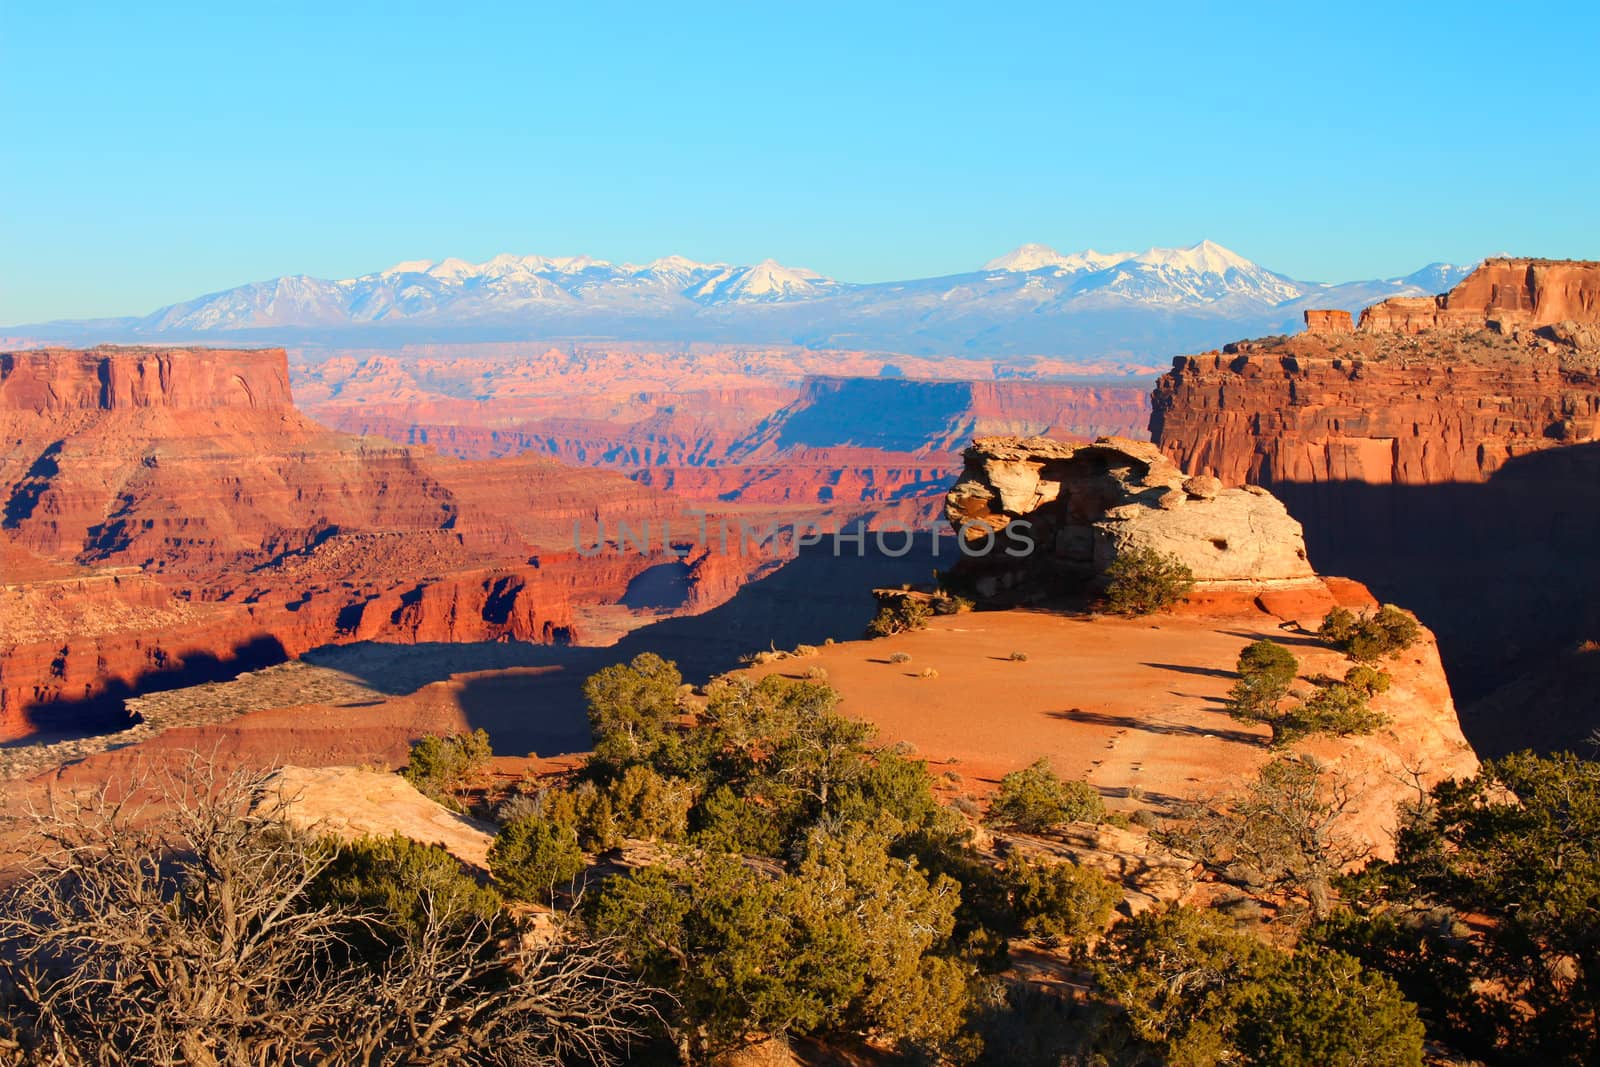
<point>1033,300</point>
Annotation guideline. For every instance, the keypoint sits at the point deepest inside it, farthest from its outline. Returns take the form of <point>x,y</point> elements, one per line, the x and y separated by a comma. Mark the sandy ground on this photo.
<point>1133,706</point>
<point>1124,703</point>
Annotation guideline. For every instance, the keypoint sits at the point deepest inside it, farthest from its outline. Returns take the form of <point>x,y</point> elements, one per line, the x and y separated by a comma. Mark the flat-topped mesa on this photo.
<point>1086,505</point>
<point>1503,294</point>
<point>111,378</point>
<point>1328,321</point>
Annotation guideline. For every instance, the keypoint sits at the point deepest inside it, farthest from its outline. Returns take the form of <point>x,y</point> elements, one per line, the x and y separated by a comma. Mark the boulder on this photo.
<point>350,803</point>
<point>1083,505</point>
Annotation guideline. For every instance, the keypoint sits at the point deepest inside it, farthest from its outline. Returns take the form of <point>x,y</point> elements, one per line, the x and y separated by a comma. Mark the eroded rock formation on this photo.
<point>1447,453</point>
<point>1328,321</point>
<point>1502,294</point>
<point>168,514</point>
<point>762,428</point>
<point>1084,505</point>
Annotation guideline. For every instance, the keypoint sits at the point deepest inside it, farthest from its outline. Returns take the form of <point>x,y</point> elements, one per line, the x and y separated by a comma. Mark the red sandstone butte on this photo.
<point>1391,404</point>
<point>1508,292</point>
<point>1332,320</point>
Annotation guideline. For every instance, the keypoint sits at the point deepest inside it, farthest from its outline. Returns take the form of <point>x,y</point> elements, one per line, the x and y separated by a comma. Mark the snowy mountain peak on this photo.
<point>453,269</point>
<point>1033,299</point>
<point>676,265</point>
<point>407,266</point>
<point>767,281</point>
<point>1031,257</point>
<point>1025,258</point>
<point>1207,257</point>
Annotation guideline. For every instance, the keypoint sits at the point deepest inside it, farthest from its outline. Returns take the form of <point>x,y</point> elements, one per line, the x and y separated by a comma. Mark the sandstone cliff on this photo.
<point>1506,294</point>
<point>167,515</point>
<point>54,380</point>
<point>1446,455</point>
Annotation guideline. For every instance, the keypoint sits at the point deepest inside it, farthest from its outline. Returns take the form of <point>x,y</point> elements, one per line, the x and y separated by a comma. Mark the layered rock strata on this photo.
<point>166,515</point>
<point>1447,453</point>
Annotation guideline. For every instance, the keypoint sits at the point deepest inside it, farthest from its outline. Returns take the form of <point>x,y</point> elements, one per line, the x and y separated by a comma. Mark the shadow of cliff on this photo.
<point>1506,573</point>
<point>106,710</point>
<point>814,597</point>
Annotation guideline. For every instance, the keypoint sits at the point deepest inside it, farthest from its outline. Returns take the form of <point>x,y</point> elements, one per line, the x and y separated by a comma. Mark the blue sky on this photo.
<point>157,152</point>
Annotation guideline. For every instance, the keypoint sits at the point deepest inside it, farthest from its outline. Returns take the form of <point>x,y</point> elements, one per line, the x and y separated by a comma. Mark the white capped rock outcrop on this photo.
<point>1085,504</point>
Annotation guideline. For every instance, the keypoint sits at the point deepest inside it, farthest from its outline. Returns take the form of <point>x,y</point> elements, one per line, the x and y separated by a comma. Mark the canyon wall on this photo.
<point>168,516</point>
<point>53,380</point>
<point>1449,457</point>
<point>1508,293</point>
<point>731,429</point>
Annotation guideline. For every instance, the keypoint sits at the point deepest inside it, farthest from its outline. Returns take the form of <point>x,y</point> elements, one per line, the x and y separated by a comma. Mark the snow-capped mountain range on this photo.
<point>1032,300</point>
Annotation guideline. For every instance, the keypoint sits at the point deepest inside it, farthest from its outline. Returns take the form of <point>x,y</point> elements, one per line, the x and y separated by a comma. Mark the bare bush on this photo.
<point>1285,834</point>
<point>187,930</point>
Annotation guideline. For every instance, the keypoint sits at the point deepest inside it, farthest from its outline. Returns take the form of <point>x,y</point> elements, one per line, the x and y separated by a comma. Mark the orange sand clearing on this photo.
<point>1103,699</point>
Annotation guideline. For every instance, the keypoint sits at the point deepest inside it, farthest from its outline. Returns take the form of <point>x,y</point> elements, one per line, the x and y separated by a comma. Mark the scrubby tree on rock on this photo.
<point>1037,800</point>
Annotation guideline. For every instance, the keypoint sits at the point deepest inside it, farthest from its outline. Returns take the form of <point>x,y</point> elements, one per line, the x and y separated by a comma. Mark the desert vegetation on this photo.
<point>1370,637</point>
<point>175,920</point>
<point>741,862</point>
<point>900,615</point>
<point>818,885</point>
<point>1267,672</point>
<point>1037,800</point>
<point>440,766</point>
<point>1142,581</point>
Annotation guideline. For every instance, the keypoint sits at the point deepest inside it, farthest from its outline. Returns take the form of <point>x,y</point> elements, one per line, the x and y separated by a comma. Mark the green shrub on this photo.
<point>1037,800</point>
<point>1266,671</point>
<point>1368,638</point>
<point>400,879</point>
<point>1369,680</point>
<point>727,822</point>
<point>1319,1008</point>
<point>633,711</point>
<point>648,804</point>
<point>850,939</point>
<point>901,615</point>
<point>899,657</point>
<point>1487,913</point>
<point>440,767</point>
<point>946,604</point>
<point>1058,902</point>
<point>531,856</point>
<point>1339,709</point>
<point>1142,581</point>
<point>1198,992</point>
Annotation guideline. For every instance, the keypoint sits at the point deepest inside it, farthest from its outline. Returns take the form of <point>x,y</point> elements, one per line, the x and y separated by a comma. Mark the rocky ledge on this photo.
<point>1083,506</point>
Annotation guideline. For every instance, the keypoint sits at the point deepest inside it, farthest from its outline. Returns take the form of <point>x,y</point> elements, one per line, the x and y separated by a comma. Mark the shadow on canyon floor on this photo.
<point>1506,573</point>
<point>815,597</point>
<point>534,703</point>
<point>65,719</point>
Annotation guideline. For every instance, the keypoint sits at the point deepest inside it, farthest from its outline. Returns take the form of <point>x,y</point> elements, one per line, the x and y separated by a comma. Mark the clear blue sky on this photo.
<point>156,152</point>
